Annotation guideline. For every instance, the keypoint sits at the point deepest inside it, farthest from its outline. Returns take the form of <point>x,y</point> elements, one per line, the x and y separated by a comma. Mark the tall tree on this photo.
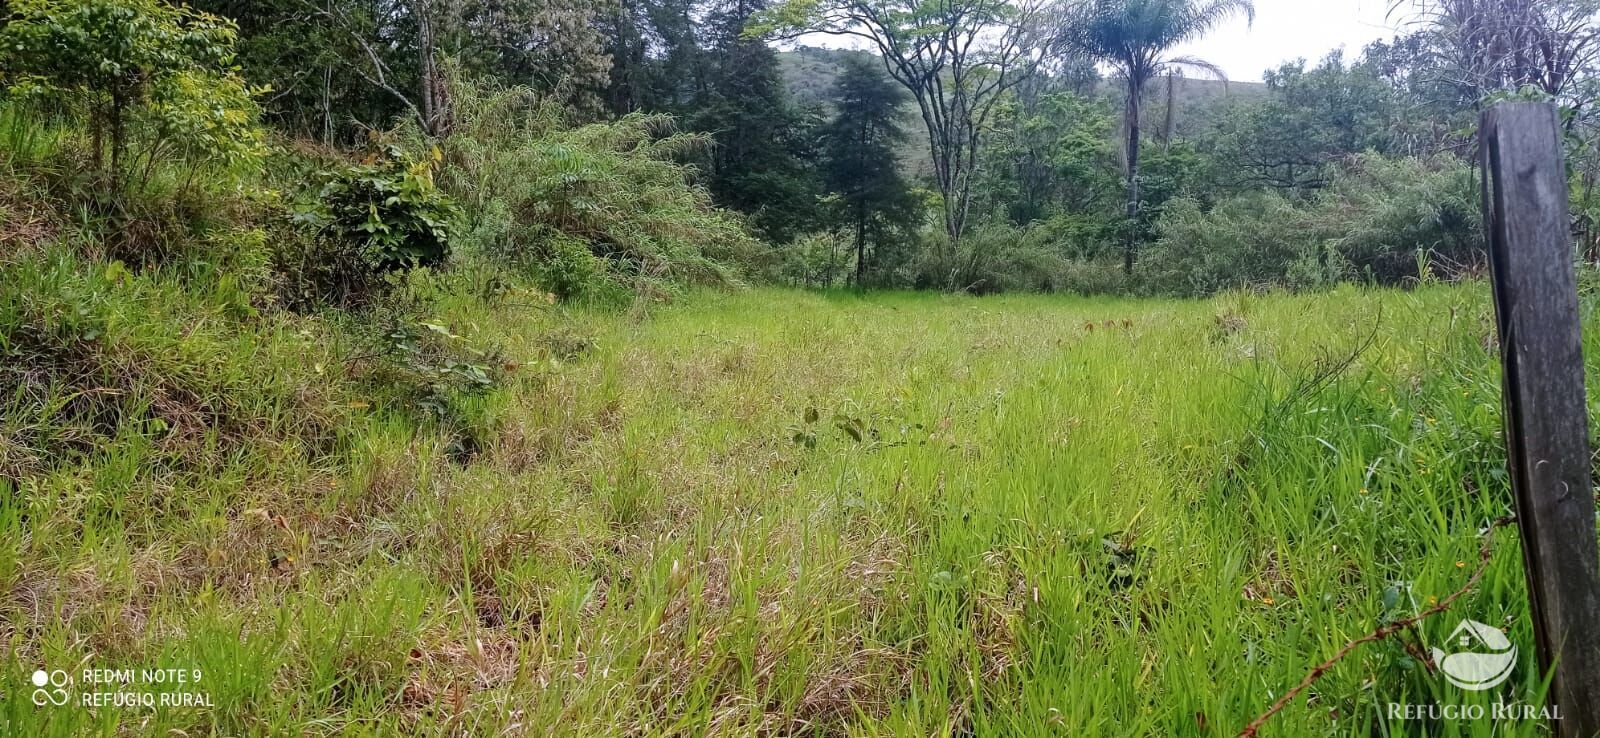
<point>762,161</point>
<point>333,62</point>
<point>557,48</point>
<point>1053,154</point>
<point>958,59</point>
<point>1135,37</point>
<point>662,54</point>
<point>314,91</point>
<point>1489,46</point>
<point>1310,119</point>
<point>860,160</point>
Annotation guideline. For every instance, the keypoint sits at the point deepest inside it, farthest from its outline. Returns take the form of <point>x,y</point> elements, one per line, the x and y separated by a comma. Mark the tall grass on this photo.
<point>782,513</point>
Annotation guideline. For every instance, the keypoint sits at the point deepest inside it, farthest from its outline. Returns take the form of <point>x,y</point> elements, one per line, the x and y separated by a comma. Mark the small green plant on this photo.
<point>440,370</point>
<point>435,375</point>
<point>389,207</point>
<point>166,70</point>
<point>369,221</point>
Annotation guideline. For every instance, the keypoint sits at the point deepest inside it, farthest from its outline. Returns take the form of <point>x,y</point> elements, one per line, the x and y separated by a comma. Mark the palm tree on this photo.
<point>1134,37</point>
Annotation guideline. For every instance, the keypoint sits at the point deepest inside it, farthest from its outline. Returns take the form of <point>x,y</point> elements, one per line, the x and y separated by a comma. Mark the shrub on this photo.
<point>994,257</point>
<point>1246,240</point>
<point>1093,276</point>
<point>52,193</point>
<point>154,87</point>
<point>568,268</point>
<point>1380,212</point>
<point>538,189</point>
<point>369,220</point>
<point>823,259</point>
<point>436,373</point>
<point>168,70</point>
<point>1371,222</point>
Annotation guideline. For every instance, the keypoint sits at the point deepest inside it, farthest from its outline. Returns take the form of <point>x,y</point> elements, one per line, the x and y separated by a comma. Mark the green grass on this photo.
<point>774,513</point>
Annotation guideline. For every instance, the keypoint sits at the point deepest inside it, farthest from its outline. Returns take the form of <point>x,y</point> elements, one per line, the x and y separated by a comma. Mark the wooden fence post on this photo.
<point>1546,420</point>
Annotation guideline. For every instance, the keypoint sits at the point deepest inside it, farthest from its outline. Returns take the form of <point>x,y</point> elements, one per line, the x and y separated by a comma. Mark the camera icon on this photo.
<point>50,687</point>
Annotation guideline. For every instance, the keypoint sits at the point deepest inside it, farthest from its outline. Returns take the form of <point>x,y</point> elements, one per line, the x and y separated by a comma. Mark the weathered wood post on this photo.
<point>1547,431</point>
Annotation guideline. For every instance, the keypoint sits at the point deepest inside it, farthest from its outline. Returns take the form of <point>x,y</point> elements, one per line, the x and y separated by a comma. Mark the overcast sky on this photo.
<point>1284,30</point>
<point>1291,29</point>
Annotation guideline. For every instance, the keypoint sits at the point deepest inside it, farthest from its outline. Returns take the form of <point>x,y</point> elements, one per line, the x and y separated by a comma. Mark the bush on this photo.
<point>153,86</point>
<point>165,70</point>
<point>994,256</point>
<point>1371,222</point>
<point>1096,276</point>
<point>369,220</point>
<point>1381,212</point>
<point>537,190</point>
<point>823,259</point>
<point>1250,239</point>
<point>567,267</point>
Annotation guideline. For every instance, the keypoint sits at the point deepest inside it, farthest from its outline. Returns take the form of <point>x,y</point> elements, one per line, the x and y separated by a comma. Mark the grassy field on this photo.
<point>781,513</point>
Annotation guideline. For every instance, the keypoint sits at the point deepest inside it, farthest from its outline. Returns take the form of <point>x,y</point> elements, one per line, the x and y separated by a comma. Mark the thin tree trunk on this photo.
<point>430,74</point>
<point>1166,128</point>
<point>327,106</point>
<point>1130,239</point>
<point>861,245</point>
<point>99,134</point>
<point>116,132</point>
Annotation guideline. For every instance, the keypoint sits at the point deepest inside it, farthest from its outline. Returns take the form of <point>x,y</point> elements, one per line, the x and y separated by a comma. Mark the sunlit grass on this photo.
<point>782,513</point>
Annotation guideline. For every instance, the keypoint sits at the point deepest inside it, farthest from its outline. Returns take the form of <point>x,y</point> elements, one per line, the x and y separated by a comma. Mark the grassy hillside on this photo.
<point>766,512</point>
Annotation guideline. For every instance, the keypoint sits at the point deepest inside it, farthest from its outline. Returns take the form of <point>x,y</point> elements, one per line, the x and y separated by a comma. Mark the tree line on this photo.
<point>972,144</point>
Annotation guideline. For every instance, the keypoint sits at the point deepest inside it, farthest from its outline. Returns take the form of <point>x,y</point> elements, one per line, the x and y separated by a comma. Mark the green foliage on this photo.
<point>368,221</point>
<point>539,193</point>
<point>315,64</point>
<point>341,67</point>
<point>1371,222</point>
<point>860,164</point>
<point>762,161</point>
<point>1167,173</point>
<point>1311,119</point>
<point>819,260</point>
<point>435,372</point>
<point>1000,257</point>
<point>390,209</point>
<point>173,207</point>
<point>568,268</point>
<point>959,60</point>
<point>1135,34</point>
<point>1052,154</point>
<point>1248,240</point>
<point>168,68</point>
<point>1136,37</point>
<point>1381,212</point>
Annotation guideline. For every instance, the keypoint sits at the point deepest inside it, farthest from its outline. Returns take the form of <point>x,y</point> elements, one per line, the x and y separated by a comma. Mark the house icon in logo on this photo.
<point>1483,657</point>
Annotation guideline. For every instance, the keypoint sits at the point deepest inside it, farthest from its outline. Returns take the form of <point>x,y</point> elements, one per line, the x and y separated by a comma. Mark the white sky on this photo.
<point>1284,30</point>
<point>1291,29</point>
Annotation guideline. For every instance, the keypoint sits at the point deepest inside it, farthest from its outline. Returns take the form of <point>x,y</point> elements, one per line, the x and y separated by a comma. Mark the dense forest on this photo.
<point>753,367</point>
<point>1012,160</point>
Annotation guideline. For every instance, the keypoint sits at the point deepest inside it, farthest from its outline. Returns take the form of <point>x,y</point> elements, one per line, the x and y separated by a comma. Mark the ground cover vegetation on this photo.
<point>441,367</point>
